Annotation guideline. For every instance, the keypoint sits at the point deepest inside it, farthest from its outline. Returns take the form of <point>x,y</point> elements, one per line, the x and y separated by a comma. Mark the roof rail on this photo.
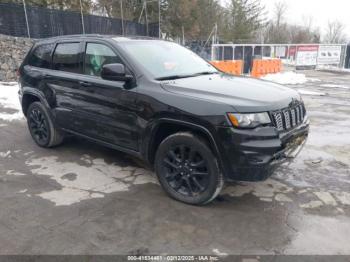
<point>102,36</point>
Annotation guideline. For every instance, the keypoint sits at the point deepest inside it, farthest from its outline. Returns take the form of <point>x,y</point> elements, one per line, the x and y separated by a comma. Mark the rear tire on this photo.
<point>41,126</point>
<point>187,169</point>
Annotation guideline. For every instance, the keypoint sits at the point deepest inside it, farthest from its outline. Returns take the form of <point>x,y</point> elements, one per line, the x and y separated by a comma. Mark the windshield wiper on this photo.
<point>172,77</point>
<point>205,73</point>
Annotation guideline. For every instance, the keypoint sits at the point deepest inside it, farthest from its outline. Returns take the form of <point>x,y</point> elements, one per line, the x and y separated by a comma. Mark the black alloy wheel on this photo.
<point>187,169</point>
<point>42,127</point>
<point>38,126</point>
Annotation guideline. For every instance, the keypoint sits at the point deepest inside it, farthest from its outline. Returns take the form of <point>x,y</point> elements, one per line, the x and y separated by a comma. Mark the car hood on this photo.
<point>244,94</point>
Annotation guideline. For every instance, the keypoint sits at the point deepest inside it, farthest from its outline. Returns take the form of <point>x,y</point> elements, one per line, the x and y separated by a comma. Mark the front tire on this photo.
<point>41,126</point>
<point>187,169</point>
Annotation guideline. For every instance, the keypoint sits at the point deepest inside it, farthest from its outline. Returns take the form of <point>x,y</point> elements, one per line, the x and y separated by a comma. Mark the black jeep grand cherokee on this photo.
<point>160,102</point>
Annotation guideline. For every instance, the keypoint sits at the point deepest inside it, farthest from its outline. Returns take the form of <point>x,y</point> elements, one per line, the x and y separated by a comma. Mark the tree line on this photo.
<point>238,21</point>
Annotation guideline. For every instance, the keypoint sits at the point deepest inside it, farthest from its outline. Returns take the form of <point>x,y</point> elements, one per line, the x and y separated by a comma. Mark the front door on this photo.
<point>106,109</point>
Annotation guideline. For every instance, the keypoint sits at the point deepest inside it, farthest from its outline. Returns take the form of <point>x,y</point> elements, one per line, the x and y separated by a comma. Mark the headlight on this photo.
<point>249,120</point>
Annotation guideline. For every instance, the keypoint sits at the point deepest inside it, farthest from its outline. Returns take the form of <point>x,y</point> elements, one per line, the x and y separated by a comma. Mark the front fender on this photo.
<point>151,131</point>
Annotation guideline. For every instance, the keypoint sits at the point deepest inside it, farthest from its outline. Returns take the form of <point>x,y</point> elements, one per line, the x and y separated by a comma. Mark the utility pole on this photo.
<point>159,7</point>
<point>140,17</point>
<point>215,33</point>
<point>144,9</point>
<point>122,15</point>
<point>25,14</point>
<point>146,17</point>
<point>82,17</point>
<point>183,35</point>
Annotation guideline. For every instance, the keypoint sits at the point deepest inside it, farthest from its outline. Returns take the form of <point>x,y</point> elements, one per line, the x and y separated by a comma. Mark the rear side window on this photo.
<point>41,57</point>
<point>67,57</point>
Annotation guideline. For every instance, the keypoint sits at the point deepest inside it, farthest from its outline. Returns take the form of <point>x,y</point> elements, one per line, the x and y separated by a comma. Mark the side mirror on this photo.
<point>115,72</point>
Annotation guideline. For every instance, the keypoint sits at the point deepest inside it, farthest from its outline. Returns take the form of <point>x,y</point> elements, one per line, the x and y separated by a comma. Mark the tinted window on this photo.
<point>67,57</point>
<point>41,57</point>
<point>96,56</point>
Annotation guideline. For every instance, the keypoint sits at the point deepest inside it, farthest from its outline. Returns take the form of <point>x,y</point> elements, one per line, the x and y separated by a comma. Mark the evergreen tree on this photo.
<point>246,18</point>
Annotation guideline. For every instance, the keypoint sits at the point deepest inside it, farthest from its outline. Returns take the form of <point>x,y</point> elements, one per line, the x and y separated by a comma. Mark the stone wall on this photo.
<point>12,52</point>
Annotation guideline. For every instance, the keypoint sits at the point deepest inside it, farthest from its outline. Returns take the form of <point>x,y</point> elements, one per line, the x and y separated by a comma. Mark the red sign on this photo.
<point>307,55</point>
<point>292,51</point>
<point>307,48</point>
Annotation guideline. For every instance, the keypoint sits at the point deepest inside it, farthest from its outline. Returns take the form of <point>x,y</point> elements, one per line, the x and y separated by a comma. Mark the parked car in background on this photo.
<point>198,127</point>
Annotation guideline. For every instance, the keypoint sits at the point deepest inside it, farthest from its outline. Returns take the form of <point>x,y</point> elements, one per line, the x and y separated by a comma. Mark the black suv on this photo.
<point>158,101</point>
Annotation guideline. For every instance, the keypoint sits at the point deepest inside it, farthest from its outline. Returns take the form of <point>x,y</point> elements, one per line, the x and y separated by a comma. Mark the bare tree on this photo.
<point>307,22</point>
<point>311,33</point>
<point>335,32</point>
<point>280,10</point>
<point>276,31</point>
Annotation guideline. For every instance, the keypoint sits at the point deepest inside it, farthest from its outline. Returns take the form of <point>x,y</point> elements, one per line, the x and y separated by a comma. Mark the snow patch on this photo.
<point>343,197</point>
<point>290,78</point>
<point>9,99</point>
<point>14,173</point>
<point>335,86</point>
<point>90,181</point>
<point>265,190</point>
<point>326,198</point>
<point>5,154</point>
<point>219,253</point>
<point>312,93</point>
<point>282,198</point>
<point>312,204</point>
<point>68,196</point>
<point>333,68</point>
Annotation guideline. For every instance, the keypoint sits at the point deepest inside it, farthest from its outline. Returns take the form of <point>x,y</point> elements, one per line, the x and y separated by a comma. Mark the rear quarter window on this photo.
<point>41,56</point>
<point>67,57</point>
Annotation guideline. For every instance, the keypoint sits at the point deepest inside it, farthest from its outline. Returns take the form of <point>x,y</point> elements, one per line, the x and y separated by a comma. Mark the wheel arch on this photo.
<point>165,127</point>
<point>30,96</point>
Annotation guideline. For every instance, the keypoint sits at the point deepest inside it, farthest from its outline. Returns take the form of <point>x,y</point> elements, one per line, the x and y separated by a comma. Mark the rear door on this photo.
<point>64,81</point>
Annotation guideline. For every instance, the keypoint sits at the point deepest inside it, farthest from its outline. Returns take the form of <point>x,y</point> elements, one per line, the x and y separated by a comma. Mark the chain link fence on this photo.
<point>44,22</point>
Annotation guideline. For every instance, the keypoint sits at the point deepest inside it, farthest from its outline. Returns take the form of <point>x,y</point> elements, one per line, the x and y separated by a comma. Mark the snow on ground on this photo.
<point>333,68</point>
<point>335,86</point>
<point>9,100</point>
<point>290,78</point>
<point>78,182</point>
<point>312,93</point>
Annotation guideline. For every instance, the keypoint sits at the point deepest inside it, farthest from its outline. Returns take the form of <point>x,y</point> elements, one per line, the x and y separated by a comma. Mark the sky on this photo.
<point>320,10</point>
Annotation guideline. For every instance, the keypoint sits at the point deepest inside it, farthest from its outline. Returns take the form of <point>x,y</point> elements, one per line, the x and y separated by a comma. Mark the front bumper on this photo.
<point>253,155</point>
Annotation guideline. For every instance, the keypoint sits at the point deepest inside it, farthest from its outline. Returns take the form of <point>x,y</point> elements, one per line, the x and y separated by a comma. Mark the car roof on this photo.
<point>118,38</point>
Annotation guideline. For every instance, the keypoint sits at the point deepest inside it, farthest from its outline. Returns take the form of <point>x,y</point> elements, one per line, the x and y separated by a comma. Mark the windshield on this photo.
<point>166,60</point>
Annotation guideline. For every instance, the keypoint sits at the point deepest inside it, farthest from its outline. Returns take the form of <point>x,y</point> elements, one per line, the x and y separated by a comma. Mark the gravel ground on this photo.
<point>81,198</point>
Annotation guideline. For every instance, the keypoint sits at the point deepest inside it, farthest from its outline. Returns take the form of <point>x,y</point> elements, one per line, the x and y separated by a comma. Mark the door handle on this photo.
<point>86,84</point>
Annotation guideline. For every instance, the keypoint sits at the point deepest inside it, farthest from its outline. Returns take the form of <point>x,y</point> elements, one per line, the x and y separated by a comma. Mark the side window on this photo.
<point>41,57</point>
<point>97,55</point>
<point>67,57</point>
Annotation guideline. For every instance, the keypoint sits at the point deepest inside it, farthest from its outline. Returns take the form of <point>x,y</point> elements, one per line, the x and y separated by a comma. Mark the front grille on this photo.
<point>289,117</point>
